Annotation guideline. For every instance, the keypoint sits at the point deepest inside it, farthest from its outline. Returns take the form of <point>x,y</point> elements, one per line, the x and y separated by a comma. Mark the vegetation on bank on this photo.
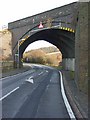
<point>46,56</point>
<point>72,75</point>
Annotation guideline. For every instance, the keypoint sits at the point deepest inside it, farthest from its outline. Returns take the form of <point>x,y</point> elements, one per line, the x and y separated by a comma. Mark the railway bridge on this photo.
<point>59,26</point>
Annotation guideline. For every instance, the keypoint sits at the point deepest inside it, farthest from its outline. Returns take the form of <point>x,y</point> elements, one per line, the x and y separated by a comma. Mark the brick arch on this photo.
<point>63,40</point>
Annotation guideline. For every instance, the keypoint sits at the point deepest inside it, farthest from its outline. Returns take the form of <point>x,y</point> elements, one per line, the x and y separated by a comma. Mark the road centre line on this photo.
<point>68,107</point>
<point>9,93</point>
<point>40,73</point>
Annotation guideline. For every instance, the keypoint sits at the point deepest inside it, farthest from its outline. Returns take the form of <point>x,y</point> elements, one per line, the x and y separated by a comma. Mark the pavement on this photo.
<point>77,99</point>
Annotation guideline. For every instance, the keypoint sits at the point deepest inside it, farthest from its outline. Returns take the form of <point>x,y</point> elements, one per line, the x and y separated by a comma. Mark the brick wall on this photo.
<point>6,45</point>
<point>81,48</point>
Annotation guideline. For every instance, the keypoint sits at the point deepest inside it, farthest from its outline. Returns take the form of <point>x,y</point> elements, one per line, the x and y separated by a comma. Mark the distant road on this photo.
<point>34,94</point>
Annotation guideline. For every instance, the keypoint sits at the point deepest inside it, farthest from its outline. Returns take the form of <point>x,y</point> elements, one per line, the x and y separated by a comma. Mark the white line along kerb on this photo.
<point>8,93</point>
<point>68,107</point>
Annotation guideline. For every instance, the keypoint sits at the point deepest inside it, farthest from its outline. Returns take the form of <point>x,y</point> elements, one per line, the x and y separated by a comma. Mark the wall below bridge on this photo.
<point>6,65</point>
<point>68,64</point>
<point>81,47</point>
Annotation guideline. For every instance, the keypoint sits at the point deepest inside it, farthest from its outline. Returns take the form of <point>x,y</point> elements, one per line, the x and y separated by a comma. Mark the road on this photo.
<point>35,93</point>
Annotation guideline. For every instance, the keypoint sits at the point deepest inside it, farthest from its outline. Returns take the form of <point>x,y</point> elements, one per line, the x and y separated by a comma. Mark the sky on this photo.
<point>12,10</point>
<point>38,44</point>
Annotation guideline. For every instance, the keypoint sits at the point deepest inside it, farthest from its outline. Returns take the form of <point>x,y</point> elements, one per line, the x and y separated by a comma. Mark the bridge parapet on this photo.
<point>62,15</point>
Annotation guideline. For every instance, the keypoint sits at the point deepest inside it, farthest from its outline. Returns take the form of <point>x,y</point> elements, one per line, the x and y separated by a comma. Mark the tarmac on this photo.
<point>77,99</point>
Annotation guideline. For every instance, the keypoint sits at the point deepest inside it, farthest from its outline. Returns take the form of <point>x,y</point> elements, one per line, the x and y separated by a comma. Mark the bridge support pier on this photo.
<point>81,48</point>
<point>68,64</point>
<point>18,61</point>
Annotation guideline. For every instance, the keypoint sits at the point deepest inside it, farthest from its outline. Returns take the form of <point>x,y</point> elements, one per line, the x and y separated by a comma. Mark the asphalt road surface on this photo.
<point>33,94</point>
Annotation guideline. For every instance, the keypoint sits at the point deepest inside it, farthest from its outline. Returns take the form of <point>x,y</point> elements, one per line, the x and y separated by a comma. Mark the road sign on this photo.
<point>40,26</point>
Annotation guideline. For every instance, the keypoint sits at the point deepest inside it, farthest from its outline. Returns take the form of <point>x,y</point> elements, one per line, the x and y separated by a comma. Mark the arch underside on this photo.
<point>63,40</point>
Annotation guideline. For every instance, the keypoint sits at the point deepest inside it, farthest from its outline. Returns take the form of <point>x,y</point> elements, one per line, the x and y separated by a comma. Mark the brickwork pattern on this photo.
<point>81,48</point>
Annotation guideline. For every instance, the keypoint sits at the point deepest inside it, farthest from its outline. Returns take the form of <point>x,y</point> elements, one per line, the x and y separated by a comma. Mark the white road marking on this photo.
<point>17,74</point>
<point>47,87</point>
<point>9,93</point>
<point>50,80</point>
<point>40,73</point>
<point>68,107</point>
<point>30,80</point>
<point>30,77</point>
<point>46,71</point>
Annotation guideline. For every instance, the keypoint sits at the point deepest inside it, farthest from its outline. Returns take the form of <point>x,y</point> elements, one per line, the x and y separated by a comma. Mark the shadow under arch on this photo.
<point>62,39</point>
